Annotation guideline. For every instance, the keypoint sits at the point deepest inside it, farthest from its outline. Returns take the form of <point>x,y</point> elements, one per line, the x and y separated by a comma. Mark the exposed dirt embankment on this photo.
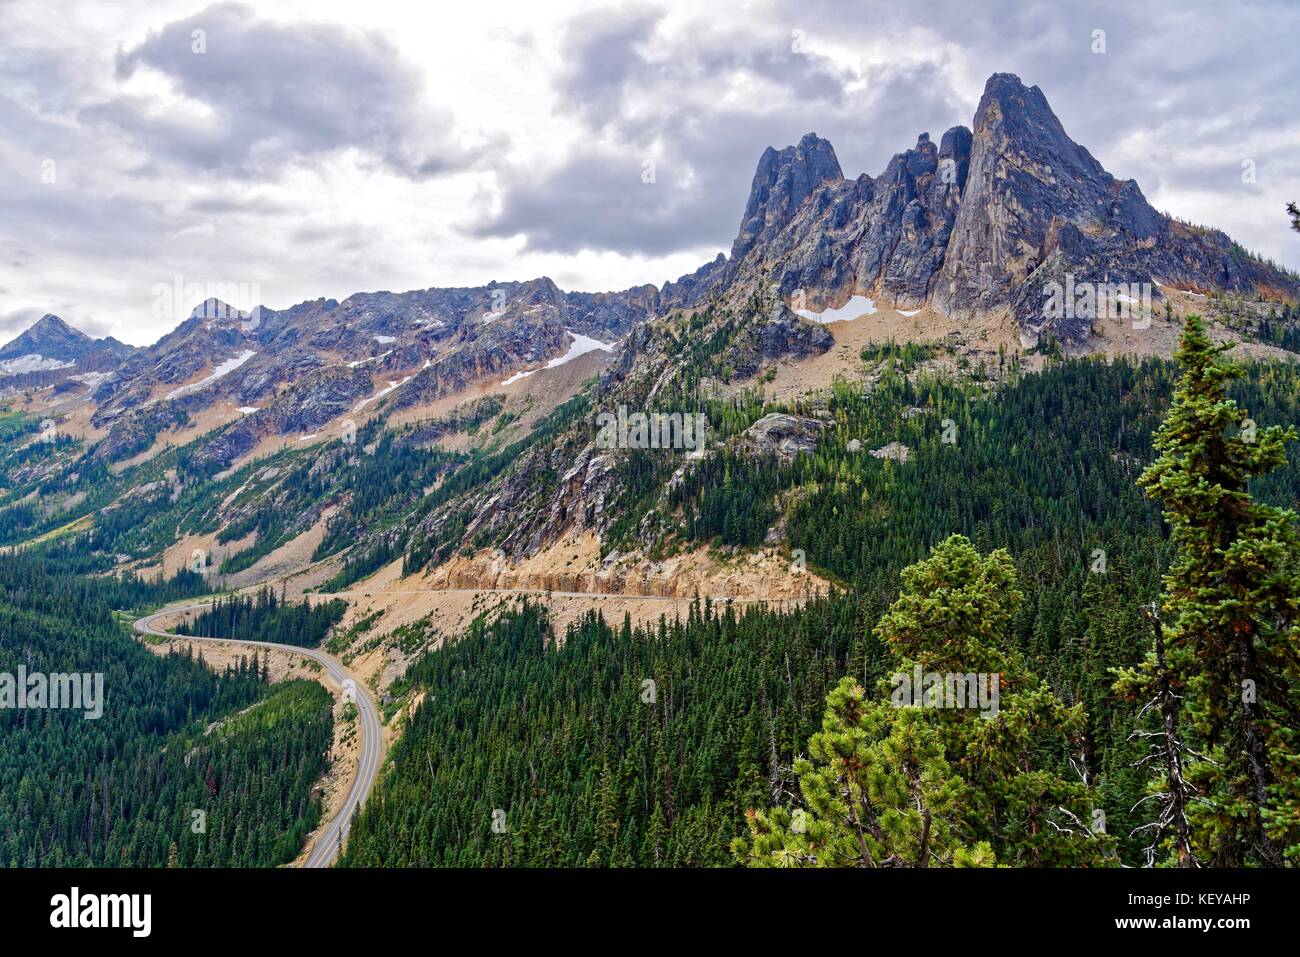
<point>576,566</point>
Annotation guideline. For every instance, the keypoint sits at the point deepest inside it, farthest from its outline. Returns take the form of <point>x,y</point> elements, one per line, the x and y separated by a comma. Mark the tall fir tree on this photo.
<point>1232,598</point>
<point>893,784</point>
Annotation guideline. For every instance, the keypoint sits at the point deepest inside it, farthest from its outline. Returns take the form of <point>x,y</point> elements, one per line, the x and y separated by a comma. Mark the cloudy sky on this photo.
<point>293,150</point>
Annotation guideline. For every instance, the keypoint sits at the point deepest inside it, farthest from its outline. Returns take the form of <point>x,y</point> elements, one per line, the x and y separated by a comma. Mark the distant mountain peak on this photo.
<point>214,308</point>
<point>52,324</point>
<point>51,347</point>
<point>49,337</point>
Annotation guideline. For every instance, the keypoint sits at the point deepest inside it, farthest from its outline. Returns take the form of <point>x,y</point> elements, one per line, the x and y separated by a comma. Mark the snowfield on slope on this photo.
<point>855,308</point>
<point>225,368</point>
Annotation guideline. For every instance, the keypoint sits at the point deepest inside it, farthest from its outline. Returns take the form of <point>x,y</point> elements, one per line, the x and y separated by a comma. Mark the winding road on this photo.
<point>334,833</point>
<point>331,836</point>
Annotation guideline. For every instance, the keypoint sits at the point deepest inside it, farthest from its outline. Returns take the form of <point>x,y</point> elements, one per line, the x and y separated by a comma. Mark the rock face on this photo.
<point>886,235</point>
<point>784,435</point>
<point>1038,206</point>
<point>781,184</point>
<point>983,223</point>
<point>895,451</point>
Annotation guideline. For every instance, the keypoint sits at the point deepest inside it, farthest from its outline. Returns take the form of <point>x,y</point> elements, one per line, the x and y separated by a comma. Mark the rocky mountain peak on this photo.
<point>1038,207</point>
<point>781,183</point>
<point>50,337</point>
<point>213,308</point>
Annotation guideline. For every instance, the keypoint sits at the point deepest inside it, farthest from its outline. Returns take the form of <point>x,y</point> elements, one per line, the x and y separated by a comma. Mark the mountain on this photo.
<point>309,364</point>
<point>50,343</point>
<point>975,226</point>
<point>436,461</point>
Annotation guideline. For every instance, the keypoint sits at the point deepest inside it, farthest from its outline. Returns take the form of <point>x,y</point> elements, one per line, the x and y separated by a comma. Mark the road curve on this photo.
<point>325,850</point>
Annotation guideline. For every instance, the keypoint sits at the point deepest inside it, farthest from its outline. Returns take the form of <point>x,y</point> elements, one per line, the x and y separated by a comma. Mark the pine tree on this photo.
<point>1233,599</point>
<point>878,791</point>
<point>1027,797</point>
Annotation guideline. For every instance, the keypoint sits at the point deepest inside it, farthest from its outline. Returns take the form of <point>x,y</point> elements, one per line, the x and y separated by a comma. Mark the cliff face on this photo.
<point>981,223</point>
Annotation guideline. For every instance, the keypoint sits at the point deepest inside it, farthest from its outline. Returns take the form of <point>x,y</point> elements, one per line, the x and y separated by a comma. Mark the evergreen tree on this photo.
<point>1233,599</point>
<point>878,791</point>
<point>910,786</point>
<point>953,618</point>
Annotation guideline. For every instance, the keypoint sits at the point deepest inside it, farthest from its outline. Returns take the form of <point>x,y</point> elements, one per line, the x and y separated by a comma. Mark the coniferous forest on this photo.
<point>187,766</point>
<point>264,617</point>
<point>1036,547</point>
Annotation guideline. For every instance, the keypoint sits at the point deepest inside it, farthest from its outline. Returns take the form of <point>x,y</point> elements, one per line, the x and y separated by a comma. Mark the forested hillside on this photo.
<point>589,764</point>
<point>264,617</point>
<point>186,766</point>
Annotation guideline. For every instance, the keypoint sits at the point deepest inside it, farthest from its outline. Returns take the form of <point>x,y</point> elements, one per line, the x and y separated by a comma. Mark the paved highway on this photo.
<point>327,843</point>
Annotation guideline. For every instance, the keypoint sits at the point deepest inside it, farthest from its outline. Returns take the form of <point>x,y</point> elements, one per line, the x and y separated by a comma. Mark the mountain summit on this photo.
<point>979,224</point>
<point>50,338</point>
<point>50,348</point>
<point>781,184</point>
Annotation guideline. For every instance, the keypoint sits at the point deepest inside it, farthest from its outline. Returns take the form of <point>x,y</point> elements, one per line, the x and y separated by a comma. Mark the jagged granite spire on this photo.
<point>980,224</point>
<point>782,182</point>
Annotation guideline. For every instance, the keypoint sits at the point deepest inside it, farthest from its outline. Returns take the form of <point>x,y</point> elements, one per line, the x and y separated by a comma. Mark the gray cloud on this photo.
<point>277,92</point>
<point>1213,86</point>
<point>597,198</point>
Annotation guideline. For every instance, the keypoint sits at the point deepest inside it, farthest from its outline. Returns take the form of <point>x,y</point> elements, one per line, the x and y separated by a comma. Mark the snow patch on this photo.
<point>855,308</point>
<point>33,363</point>
<point>225,368</point>
<point>1185,292</point>
<point>248,409</point>
<point>385,340</point>
<point>909,313</point>
<point>380,394</point>
<point>580,347</point>
<point>360,362</point>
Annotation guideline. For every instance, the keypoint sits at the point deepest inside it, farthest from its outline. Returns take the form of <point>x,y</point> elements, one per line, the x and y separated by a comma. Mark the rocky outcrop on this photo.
<point>785,436</point>
<point>1036,202</point>
<point>894,451</point>
<point>782,182</point>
